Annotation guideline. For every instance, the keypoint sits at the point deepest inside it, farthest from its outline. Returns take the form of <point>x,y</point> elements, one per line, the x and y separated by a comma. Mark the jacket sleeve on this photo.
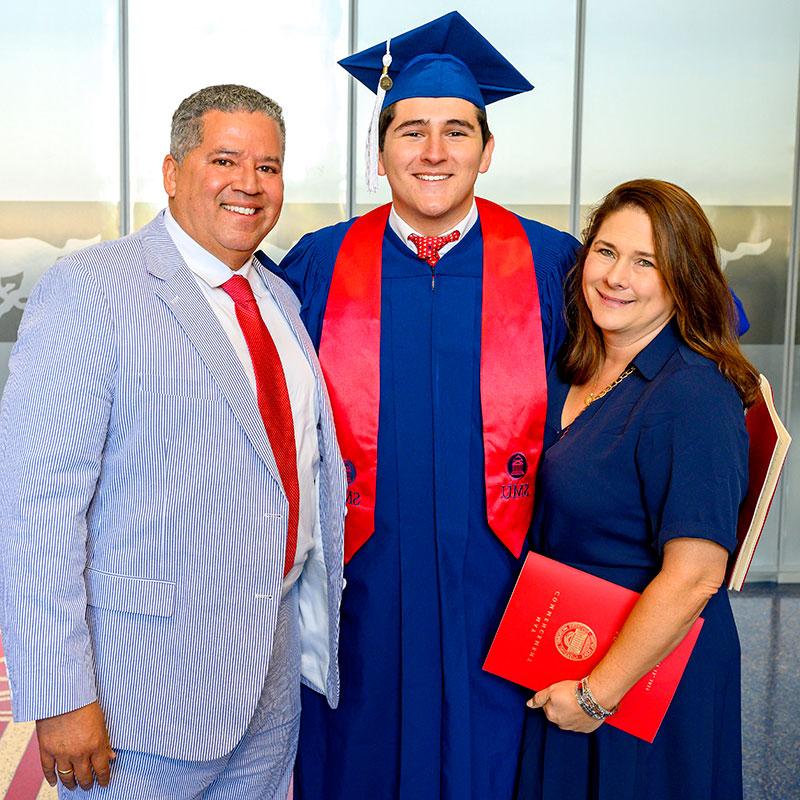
<point>53,425</point>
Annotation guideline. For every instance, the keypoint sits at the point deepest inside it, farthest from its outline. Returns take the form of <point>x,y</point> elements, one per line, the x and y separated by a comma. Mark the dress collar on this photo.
<point>651,360</point>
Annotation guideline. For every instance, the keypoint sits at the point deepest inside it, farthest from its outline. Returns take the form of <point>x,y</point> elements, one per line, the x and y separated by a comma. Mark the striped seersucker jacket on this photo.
<point>142,517</point>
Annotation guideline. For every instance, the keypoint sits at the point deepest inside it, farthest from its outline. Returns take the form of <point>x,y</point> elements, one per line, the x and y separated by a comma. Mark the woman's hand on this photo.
<point>561,707</point>
<point>691,573</point>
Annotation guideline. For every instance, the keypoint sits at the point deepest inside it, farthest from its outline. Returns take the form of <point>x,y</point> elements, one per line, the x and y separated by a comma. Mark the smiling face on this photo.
<point>432,155</point>
<point>228,191</point>
<point>622,284</point>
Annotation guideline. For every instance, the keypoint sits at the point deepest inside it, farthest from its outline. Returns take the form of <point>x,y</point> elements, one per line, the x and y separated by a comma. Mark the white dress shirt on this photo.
<point>210,273</point>
<point>404,230</point>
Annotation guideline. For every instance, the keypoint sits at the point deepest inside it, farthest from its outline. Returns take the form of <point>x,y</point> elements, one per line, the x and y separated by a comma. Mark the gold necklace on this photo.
<point>591,397</point>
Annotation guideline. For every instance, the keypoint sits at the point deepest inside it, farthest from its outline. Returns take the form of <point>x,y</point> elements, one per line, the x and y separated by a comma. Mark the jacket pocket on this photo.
<point>129,594</point>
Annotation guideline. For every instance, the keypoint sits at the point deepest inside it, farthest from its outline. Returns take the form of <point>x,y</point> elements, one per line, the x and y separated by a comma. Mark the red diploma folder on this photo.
<point>560,622</point>
<point>769,443</point>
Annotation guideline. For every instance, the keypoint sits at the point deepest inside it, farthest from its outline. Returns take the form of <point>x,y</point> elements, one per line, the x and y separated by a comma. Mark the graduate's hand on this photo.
<point>74,747</point>
<point>561,707</point>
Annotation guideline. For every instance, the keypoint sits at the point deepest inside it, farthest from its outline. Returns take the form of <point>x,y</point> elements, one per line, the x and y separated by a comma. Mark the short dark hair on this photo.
<point>387,115</point>
<point>187,121</point>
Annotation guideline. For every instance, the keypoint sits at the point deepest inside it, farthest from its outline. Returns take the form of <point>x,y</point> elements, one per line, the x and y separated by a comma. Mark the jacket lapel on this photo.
<point>175,285</point>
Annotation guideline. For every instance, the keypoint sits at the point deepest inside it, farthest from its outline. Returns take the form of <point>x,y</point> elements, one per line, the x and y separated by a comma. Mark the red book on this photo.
<point>559,623</point>
<point>769,443</point>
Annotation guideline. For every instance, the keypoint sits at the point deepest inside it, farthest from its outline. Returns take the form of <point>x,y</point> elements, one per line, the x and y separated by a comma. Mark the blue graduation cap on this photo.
<point>443,58</point>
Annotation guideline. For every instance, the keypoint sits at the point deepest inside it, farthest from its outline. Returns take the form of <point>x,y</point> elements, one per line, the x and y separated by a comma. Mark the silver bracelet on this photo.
<point>584,706</point>
<point>588,703</point>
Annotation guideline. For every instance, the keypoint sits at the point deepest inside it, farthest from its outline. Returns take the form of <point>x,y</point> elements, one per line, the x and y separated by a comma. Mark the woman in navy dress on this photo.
<point>641,483</point>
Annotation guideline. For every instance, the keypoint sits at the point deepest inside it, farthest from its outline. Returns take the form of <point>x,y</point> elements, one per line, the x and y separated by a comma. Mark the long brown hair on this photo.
<point>686,255</point>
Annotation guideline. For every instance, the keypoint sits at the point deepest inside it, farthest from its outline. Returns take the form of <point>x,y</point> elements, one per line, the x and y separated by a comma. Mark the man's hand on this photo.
<point>75,747</point>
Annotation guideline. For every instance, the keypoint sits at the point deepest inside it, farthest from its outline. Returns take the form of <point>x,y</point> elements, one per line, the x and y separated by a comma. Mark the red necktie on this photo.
<point>273,400</point>
<point>428,247</point>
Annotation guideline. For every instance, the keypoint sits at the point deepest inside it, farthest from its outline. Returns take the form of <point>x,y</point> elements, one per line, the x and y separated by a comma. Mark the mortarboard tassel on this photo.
<point>384,84</point>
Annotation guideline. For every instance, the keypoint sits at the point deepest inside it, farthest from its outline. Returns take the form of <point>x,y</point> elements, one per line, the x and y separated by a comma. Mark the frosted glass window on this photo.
<point>59,141</point>
<point>287,51</point>
<point>712,108</point>
<point>705,95</point>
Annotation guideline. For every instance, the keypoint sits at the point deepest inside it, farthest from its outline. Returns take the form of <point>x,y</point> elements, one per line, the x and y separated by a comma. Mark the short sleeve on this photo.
<point>692,457</point>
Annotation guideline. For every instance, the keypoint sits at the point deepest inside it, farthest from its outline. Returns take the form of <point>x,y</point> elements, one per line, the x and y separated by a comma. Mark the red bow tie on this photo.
<point>428,247</point>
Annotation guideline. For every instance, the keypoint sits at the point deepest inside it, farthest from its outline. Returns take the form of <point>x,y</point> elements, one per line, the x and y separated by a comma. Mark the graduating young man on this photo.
<point>436,318</point>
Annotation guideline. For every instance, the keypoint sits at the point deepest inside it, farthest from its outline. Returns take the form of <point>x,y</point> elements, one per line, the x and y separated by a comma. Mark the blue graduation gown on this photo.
<point>418,718</point>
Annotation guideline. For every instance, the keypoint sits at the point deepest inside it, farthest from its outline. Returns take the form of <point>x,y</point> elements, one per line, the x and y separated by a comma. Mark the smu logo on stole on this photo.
<point>353,496</point>
<point>517,467</point>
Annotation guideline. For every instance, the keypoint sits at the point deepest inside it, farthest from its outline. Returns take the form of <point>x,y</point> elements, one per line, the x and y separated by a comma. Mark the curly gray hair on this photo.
<point>187,121</point>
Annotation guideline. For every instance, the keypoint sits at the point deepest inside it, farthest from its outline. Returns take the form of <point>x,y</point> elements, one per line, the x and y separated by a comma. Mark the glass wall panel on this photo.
<point>704,94</point>
<point>701,94</point>
<point>790,528</point>
<point>789,551</point>
<point>59,142</point>
<point>287,51</point>
<point>530,170</point>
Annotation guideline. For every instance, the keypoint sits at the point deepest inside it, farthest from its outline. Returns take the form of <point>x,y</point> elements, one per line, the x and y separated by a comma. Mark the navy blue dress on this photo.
<point>663,455</point>
<point>418,718</point>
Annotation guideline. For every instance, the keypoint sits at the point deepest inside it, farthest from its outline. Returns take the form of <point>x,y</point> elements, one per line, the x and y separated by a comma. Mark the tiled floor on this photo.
<point>768,617</point>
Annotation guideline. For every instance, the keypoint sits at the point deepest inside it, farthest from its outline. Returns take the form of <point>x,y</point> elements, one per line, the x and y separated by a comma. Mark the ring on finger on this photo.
<point>65,771</point>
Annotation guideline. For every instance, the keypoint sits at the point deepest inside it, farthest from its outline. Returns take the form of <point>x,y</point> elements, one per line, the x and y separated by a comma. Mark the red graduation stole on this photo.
<point>513,374</point>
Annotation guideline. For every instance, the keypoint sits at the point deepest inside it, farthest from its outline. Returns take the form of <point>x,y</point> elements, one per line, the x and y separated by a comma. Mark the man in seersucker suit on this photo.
<point>172,493</point>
